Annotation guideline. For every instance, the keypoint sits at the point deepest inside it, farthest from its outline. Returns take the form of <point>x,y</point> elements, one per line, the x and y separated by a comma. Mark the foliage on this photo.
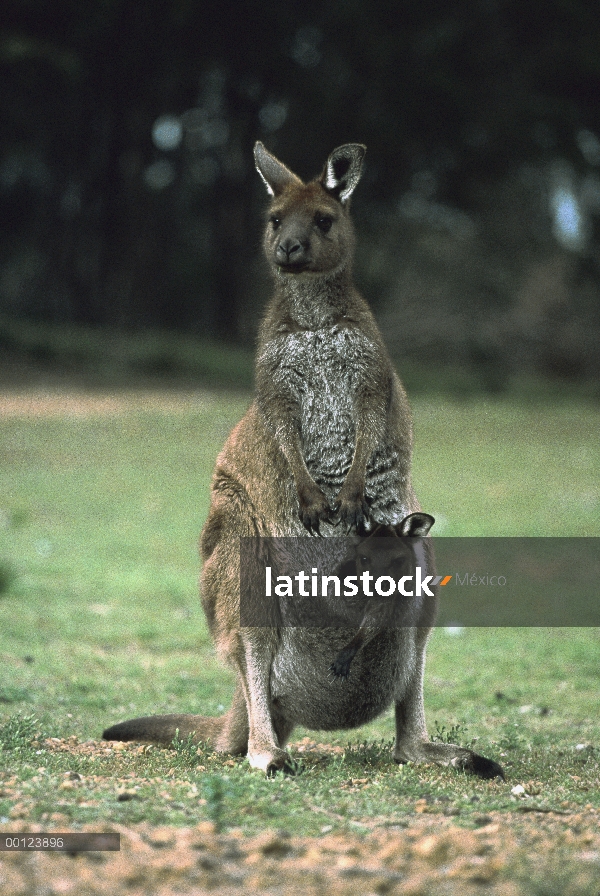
<point>491,111</point>
<point>453,735</point>
<point>18,732</point>
<point>187,750</point>
<point>104,356</point>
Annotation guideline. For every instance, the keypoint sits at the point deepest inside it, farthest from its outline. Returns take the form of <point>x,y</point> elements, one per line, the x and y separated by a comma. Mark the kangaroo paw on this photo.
<point>272,762</point>
<point>340,667</point>
<point>449,755</point>
<point>352,510</point>
<point>479,765</point>
<point>313,507</point>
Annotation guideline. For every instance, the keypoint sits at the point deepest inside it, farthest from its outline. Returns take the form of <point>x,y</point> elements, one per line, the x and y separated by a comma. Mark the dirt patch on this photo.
<point>81,403</point>
<point>504,856</point>
<point>508,854</point>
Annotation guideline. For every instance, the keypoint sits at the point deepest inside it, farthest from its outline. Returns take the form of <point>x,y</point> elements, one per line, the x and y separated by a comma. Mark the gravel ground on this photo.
<point>507,855</point>
<point>520,853</point>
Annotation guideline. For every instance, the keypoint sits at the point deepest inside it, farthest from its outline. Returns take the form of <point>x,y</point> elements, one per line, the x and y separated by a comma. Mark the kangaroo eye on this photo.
<point>275,221</point>
<point>324,223</point>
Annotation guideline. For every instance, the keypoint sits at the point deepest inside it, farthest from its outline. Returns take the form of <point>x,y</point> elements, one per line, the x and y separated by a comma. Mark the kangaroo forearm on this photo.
<point>370,433</point>
<point>288,441</point>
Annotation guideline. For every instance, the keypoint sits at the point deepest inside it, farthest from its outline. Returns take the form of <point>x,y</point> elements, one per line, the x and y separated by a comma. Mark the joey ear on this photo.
<point>383,531</point>
<point>343,170</point>
<point>415,524</point>
<point>273,172</point>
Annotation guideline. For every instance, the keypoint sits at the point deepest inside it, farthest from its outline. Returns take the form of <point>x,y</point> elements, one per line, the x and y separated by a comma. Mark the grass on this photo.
<point>100,621</point>
<point>101,356</point>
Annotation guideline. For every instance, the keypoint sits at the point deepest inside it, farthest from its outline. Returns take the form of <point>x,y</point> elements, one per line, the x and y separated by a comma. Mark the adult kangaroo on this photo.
<point>324,449</point>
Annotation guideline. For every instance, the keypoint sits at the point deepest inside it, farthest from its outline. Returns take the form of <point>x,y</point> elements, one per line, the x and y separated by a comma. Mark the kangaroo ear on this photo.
<point>415,524</point>
<point>383,531</point>
<point>274,173</point>
<point>343,170</point>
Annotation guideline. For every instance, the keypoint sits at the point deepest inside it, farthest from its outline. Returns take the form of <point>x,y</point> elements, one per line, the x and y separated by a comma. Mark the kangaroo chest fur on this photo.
<point>321,370</point>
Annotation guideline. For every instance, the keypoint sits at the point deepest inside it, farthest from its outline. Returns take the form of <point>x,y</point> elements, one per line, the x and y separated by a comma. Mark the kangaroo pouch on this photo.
<point>303,692</point>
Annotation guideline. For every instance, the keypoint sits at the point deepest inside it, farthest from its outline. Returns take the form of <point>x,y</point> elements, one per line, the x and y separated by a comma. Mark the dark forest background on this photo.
<point>129,200</point>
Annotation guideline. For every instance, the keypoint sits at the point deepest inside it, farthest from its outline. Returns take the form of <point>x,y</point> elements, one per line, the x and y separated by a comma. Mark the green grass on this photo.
<point>100,621</point>
<point>503,467</point>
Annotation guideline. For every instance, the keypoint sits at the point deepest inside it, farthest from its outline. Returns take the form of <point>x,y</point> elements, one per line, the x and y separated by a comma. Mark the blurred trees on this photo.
<point>128,195</point>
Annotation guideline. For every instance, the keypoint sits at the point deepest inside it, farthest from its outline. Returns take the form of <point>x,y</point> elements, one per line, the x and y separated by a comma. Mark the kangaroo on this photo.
<point>325,447</point>
<point>385,551</point>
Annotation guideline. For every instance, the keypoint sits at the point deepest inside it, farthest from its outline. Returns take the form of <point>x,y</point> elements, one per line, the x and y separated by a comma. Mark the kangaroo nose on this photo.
<point>290,251</point>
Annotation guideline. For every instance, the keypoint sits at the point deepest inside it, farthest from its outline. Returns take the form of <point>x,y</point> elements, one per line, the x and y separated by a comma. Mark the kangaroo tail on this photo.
<point>226,734</point>
<point>162,729</point>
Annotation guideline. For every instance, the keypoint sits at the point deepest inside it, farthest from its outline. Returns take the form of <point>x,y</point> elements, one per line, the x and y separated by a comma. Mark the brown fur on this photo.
<point>327,442</point>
